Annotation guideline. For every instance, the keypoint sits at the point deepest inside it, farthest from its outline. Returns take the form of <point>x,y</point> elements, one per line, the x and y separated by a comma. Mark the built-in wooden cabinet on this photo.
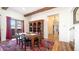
<point>37,27</point>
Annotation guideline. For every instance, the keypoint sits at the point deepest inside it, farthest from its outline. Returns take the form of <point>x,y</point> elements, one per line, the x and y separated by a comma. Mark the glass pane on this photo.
<point>19,24</point>
<point>12,24</point>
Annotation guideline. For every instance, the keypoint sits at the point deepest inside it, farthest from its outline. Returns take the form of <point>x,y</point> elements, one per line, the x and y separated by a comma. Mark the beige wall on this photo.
<point>27,24</point>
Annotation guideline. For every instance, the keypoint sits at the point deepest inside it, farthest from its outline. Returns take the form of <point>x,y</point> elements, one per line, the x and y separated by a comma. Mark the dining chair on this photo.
<point>26,42</point>
<point>36,42</point>
<point>17,38</point>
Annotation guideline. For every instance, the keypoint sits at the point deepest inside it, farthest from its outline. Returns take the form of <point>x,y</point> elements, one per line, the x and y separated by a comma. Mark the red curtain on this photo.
<point>23,26</point>
<point>8,29</point>
<point>0,31</point>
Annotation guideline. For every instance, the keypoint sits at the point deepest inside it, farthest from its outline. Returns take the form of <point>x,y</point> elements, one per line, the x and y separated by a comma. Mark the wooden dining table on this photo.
<point>32,38</point>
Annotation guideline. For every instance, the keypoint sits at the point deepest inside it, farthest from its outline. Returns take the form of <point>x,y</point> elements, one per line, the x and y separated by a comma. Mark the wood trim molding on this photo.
<point>5,8</point>
<point>40,10</point>
<point>74,15</point>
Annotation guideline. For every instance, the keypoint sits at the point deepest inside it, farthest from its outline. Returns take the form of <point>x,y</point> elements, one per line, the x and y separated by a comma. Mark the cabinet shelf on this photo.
<point>36,26</point>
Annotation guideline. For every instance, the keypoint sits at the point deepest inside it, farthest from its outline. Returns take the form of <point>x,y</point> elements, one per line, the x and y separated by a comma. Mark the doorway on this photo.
<point>53,27</point>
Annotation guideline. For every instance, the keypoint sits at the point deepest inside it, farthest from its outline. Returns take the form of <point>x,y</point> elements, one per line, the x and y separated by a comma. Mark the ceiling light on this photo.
<point>24,9</point>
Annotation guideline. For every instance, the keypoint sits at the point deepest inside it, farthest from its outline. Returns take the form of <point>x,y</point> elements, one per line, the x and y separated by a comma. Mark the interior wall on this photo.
<point>65,21</point>
<point>26,27</point>
<point>76,34</point>
<point>9,13</point>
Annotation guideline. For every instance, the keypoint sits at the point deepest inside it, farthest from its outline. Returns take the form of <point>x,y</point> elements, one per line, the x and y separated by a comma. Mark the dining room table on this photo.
<point>32,37</point>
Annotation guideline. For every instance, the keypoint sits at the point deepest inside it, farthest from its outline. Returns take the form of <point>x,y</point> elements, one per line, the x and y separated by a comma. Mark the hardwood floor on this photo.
<point>62,46</point>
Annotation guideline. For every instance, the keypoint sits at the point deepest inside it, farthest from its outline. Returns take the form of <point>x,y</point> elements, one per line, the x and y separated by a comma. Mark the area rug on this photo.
<point>12,46</point>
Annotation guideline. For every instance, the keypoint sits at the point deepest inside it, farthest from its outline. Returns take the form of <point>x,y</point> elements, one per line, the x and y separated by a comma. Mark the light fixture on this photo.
<point>23,9</point>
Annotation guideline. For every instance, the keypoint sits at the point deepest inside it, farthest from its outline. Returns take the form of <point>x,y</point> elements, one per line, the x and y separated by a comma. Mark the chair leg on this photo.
<point>30,45</point>
<point>19,42</point>
<point>16,41</point>
<point>22,45</point>
<point>25,47</point>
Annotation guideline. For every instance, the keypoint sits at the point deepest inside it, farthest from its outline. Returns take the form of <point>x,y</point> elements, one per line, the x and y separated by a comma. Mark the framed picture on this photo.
<point>76,15</point>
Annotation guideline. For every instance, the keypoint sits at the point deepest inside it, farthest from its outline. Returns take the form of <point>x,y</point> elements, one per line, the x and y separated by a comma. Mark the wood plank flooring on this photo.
<point>64,46</point>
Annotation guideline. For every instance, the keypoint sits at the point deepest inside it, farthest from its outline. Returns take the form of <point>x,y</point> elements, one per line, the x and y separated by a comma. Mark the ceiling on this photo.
<point>25,10</point>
